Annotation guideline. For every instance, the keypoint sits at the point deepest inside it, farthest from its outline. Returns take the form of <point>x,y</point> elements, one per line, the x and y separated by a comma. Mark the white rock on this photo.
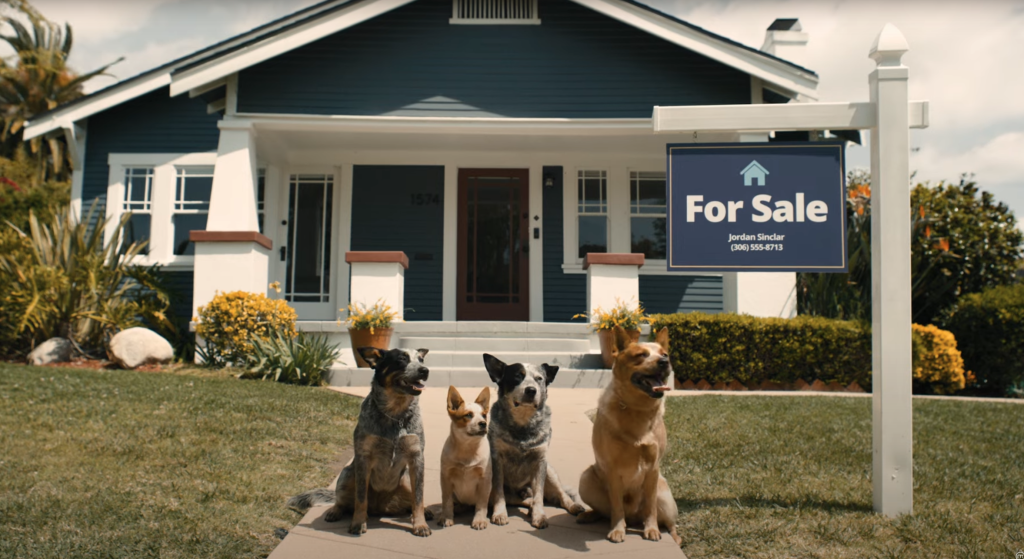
<point>135,347</point>
<point>54,350</point>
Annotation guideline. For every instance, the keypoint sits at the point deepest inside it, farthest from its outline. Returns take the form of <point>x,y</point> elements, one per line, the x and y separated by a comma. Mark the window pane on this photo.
<point>648,237</point>
<point>183,223</point>
<point>592,192</point>
<point>593,234</point>
<point>193,189</point>
<point>138,185</point>
<point>647,193</point>
<point>137,230</point>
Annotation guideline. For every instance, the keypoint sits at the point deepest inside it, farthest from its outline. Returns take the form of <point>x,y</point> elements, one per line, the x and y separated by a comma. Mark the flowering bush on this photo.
<point>230,321</point>
<point>619,315</point>
<point>937,362</point>
<point>361,317</point>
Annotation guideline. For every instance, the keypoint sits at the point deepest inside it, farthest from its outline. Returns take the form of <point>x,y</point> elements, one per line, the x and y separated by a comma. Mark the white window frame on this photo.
<point>147,200</point>
<point>653,262</point>
<point>179,208</point>
<point>164,165</point>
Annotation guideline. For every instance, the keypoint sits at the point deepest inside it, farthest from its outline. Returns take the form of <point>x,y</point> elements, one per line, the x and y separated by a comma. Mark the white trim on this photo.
<point>205,88</point>
<point>769,117</point>
<point>343,275</point>
<point>435,125</point>
<point>454,21</point>
<point>230,95</point>
<point>753,63</point>
<point>75,137</point>
<point>536,255</point>
<point>216,106</point>
<point>281,43</point>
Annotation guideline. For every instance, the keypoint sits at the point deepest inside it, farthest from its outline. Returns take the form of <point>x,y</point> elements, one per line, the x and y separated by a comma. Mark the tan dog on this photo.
<point>629,440</point>
<point>466,459</point>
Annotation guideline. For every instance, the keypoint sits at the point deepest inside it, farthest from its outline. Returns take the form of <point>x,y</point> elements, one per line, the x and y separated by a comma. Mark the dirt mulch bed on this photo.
<point>82,363</point>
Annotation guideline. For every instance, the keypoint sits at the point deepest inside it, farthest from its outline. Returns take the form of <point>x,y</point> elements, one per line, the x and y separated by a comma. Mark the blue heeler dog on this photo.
<point>385,476</point>
<point>520,433</point>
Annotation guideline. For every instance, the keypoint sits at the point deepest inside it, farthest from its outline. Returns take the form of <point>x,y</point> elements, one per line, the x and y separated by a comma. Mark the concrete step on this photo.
<point>491,329</point>
<point>474,359</point>
<point>497,345</point>
<point>471,377</point>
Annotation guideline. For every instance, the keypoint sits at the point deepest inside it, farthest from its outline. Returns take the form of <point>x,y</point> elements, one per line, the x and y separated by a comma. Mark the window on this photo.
<point>261,191</point>
<point>138,199</point>
<point>647,213</point>
<point>308,266</point>
<point>192,189</point>
<point>592,194</point>
<point>494,12</point>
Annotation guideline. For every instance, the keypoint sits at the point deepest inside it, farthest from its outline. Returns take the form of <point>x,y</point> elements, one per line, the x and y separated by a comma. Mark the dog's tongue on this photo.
<point>661,388</point>
<point>417,386</point>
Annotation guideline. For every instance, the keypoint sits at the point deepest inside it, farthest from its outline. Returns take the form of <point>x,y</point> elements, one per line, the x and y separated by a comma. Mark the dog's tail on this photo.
<point>311,498</point>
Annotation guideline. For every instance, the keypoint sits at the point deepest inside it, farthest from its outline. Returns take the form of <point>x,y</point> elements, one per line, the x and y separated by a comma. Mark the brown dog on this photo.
<point>629,440</point>
<point>466,459</point>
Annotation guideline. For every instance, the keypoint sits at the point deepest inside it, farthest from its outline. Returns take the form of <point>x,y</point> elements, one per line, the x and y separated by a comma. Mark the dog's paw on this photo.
<point>618,535</point>
<point>539,522</point>
<point>499,518</point>
<point>653,534</point>
<point>421,530</point>
<point>333,514</point>
<point>576,509</point>
<point>479,524</point>
<point>357,528</point>
<point>588,516</point>
<point>445,522</point>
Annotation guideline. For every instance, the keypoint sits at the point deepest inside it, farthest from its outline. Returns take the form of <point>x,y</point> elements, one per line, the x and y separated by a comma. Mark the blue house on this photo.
<point>495,142</point>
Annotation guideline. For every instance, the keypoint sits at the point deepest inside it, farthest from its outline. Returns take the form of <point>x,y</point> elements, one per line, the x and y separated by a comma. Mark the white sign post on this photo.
<point>888,115</point>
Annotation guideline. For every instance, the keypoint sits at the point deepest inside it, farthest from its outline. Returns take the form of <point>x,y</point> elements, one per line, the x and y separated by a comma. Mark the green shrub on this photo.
<point>290,359</point>
<point>989,327</point>
<point>937,364</point>
<point>726,347</point>
<point>232,321</point>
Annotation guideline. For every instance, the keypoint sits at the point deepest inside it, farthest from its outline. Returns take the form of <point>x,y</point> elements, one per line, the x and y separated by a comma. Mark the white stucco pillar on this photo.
<point>378,276</point>
<point>768,294</point>
<point>612,278</point>
<point>231,254</point>
<point>892,417</point>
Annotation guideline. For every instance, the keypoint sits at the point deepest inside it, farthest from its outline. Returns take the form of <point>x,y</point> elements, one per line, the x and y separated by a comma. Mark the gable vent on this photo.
<point>495,12</point>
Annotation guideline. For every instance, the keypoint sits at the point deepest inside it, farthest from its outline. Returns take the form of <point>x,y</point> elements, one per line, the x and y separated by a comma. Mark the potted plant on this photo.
<point>605,321</point>
<point>370,327</point>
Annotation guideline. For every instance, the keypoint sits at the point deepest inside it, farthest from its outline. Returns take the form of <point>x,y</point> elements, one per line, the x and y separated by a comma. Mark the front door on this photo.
<point>493,264</point>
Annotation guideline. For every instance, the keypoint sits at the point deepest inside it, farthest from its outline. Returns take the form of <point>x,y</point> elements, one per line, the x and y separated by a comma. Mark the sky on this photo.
<point>965,58</point>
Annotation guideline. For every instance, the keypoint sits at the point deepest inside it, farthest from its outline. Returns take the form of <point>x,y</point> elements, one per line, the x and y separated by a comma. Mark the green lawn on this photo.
<point>765,477</point>
<point>128,464</point>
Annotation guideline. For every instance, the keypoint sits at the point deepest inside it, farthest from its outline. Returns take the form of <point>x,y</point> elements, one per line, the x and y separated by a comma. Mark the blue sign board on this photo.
<point>757,207</point>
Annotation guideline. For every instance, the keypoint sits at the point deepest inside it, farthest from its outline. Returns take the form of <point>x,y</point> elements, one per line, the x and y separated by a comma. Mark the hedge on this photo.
<point>989,327</point>
<point>727,347</point>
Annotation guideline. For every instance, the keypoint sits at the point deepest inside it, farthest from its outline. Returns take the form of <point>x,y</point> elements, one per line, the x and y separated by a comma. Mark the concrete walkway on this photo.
<point>570,454</point>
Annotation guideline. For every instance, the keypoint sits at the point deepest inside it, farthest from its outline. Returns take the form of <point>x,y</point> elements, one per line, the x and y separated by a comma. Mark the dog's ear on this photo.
<point>455,401</point>
<point>549,372</point>
<point>371,355</point>
<point>495,367</point>
<point>622,341</point>
<point>421,353</point>
<point>484,399</point>
<point>662,338</point>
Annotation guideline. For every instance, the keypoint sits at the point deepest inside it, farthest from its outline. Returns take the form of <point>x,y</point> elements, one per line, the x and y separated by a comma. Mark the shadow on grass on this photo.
<point>748,501</point>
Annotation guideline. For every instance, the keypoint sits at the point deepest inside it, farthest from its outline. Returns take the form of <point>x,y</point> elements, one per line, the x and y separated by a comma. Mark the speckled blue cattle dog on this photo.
<point>519,434</point>
<point>385,476</point>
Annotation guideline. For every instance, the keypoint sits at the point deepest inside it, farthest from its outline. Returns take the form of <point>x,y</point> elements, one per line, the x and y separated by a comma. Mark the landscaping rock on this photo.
<point>54,350</point>
<point>135,347</point>
<point>854,387</point>
<point>801,384</point>
<point>835,387</point>
<point>736,385</point>
<point>819,386</point>
<point>720,385</point>
<point>703,385</point>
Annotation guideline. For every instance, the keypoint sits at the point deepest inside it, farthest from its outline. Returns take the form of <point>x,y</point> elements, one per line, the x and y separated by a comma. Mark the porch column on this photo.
<point>231,254</point>
<point>769,294</point>
<point>378,276</point>
<point>612,278</point>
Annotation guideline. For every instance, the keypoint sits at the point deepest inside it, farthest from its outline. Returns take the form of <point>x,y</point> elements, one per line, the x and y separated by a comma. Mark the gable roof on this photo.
<point>196,72</point>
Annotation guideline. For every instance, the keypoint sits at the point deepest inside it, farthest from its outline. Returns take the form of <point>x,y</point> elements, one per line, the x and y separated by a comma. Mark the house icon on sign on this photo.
<point>754,174</point>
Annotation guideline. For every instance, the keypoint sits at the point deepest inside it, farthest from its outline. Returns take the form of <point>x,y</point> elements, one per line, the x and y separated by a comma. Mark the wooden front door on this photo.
<point>493,268</point>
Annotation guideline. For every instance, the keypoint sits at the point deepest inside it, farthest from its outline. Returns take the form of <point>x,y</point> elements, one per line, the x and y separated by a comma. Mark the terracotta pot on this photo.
<point>380,339</point>
<point>607,339</point>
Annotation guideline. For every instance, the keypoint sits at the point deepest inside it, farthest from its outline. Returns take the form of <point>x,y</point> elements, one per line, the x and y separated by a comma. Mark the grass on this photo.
<point>198,464</point>
<point>126,464</point>
<point>791,477</point>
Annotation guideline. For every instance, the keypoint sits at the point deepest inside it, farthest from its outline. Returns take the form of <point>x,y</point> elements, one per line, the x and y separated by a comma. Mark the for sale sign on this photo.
<point>757,207</point>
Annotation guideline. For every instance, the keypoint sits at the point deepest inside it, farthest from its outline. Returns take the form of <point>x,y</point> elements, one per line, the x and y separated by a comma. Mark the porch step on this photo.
<point>496,345</point>
<point>471,377</point>
<point>474,359</point>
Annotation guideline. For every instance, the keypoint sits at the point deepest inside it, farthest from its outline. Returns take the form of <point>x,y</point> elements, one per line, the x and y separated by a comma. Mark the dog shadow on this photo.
<point>562,530</point>
<point>756,502</point>
<point>340,527</point>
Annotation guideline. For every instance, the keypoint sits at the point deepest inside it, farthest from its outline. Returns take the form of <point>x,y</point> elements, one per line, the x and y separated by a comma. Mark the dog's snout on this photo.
<point>530,392</point>
<point>663,361</point>
<point>423,372</point>
<point>482,425</point>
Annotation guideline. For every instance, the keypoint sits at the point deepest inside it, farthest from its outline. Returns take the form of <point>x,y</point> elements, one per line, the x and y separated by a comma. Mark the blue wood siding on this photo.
<point>152,123</point>
<point>402,208</point>
<point>672,294</point>
<point>564,294</point>
<point>411,62</point>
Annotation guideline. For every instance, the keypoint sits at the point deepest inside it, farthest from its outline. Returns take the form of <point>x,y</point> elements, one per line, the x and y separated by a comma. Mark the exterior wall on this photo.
<point>672,294</point>
<point>152,123</point>
<point>402,208</point>
<point>412,62</point>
